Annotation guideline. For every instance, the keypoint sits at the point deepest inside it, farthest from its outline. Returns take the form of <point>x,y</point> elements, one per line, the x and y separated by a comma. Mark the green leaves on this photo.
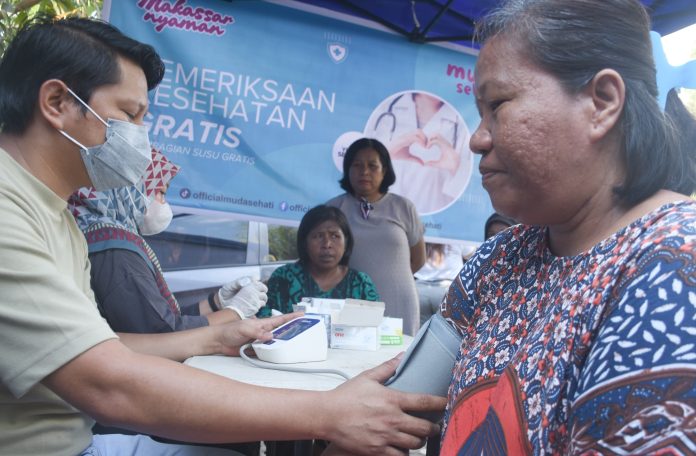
<point>14,13</point>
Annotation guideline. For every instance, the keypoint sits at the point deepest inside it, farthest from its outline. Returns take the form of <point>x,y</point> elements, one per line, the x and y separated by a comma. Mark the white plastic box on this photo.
<point>354,323</point>
<point>391,331</point>
<point>356,326</point>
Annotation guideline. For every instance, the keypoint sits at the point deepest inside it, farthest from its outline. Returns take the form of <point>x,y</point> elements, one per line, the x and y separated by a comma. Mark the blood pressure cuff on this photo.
<point>427,364</point>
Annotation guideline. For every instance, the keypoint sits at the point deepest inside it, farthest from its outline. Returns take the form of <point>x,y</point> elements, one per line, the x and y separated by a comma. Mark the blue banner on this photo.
<point>260,101</point>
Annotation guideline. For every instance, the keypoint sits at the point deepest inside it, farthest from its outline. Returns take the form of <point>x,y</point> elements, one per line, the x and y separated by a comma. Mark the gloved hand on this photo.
<point>244,295</point>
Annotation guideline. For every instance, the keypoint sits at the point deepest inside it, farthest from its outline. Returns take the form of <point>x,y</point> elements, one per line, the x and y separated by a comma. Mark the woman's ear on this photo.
<point>608,93</point>
<point>55,103</point>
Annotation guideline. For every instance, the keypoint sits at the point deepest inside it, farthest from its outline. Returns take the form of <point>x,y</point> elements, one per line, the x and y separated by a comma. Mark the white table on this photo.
<point>351,362</point>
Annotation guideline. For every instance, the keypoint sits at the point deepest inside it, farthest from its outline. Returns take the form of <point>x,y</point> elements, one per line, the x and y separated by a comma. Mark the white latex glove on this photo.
<point>244,295</point>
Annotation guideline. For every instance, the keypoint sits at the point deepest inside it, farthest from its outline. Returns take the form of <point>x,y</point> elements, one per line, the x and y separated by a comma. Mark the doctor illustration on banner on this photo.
<point>428,143</point>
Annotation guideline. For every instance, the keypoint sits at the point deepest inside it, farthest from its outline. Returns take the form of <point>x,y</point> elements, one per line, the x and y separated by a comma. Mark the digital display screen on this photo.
<point>294,328</point>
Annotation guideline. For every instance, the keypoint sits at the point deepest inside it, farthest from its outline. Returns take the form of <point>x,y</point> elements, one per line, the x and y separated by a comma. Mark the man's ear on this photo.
<point>55,103</point>
<point>608,93</point>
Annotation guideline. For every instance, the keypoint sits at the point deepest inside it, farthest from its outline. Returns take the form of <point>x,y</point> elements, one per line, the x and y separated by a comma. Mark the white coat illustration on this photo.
<point>428,143</point>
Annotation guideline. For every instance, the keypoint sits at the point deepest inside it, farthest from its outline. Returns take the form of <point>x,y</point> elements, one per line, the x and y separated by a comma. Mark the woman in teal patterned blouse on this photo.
<point>324,245</point>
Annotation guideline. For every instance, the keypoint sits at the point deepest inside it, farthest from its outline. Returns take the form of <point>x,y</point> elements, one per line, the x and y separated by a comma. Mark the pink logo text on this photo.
<point>465,74</point>
<point>178,15</point>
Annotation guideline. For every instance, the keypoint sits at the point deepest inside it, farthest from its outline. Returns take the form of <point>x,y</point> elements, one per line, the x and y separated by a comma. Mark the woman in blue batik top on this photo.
<point>578,325</point>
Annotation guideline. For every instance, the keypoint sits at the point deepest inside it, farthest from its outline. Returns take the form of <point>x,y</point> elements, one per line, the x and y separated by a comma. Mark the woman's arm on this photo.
<point>278,292</point>
<point>418,255</point>
<point>217,317</point>
<point>129,298</point>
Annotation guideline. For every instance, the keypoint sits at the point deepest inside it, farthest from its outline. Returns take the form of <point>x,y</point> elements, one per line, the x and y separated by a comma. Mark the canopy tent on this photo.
<point>425,21</point>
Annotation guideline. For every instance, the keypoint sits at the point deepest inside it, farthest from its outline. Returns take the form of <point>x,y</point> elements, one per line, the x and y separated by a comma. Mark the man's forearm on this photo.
<point>176,346</point>
<point>149,394</point>
<point>137,392</point>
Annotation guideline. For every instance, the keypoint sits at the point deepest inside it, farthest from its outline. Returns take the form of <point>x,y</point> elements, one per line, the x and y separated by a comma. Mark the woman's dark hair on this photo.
<point>80,52</point>
<point>316,216</point>
<point>574,40</point>
<point>497,218</point>
<point>384,158</point>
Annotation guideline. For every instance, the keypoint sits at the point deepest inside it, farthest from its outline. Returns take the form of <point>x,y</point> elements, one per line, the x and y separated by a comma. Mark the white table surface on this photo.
<point>351,362</point>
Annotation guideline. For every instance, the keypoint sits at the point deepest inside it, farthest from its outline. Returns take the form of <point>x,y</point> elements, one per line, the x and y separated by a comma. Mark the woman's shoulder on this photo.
<point>396,199</point>
<point>399,204</point>
<point>677,216</point>
<point>665,234</point>
<point>287,270</point>
<point>362,285</point>
<point>336,201</point>
<point>359,275</point>
<point>673,222</point>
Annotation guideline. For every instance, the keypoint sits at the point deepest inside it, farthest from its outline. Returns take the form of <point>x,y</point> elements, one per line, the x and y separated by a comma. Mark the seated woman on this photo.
<point>324,245</point>
<point>126,277</point>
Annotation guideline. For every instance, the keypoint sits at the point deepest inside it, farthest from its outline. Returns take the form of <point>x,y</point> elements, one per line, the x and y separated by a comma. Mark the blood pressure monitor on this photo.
<point>300,340</point>
<point>427,365</point>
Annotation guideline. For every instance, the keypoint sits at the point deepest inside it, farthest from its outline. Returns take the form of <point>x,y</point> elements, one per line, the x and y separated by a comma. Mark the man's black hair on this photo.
<point>81,52</point>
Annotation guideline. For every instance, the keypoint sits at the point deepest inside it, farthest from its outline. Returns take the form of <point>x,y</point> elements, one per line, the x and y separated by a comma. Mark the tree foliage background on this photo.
<point>14,13</point>
<point>282,242</point>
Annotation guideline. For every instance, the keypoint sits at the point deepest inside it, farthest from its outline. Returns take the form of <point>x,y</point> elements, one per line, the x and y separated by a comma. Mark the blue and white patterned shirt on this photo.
<point>589,354</point>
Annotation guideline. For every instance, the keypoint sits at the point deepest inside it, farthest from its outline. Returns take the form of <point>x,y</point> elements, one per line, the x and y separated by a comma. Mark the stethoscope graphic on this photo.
<point>391,117</point>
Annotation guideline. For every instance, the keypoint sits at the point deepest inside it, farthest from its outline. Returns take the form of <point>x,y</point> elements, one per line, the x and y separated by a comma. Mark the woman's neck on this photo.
<point>327,278</point>
<point>371,198</point>
<point>588,229</point>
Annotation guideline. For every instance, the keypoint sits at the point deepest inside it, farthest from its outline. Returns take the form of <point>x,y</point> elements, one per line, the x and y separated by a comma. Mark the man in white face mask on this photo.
<point>73,94</point>
<point>128,283</point>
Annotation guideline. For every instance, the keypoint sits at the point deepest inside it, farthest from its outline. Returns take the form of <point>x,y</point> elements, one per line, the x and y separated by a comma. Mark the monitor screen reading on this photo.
<point>294,328</point>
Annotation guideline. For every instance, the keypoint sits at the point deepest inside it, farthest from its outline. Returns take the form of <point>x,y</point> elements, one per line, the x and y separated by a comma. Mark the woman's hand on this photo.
<point>449,159</point>
<point>245,296</point>
<point>233,335</point>
<point>399,148</point>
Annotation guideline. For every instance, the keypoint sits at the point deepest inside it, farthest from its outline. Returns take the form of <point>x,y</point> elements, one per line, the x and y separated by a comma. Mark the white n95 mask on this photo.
<point>123,157</point>
<point>157,218</point>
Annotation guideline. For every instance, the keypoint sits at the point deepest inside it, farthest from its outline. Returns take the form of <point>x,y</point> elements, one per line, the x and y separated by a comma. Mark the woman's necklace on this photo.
<point>366,206</point>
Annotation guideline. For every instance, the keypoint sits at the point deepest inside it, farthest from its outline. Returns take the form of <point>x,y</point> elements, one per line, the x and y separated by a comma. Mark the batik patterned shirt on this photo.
<point>589,354</point>
<point>290,283</point>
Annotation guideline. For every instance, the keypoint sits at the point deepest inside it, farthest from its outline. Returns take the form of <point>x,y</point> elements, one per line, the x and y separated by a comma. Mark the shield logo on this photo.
<point>337,52</point>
